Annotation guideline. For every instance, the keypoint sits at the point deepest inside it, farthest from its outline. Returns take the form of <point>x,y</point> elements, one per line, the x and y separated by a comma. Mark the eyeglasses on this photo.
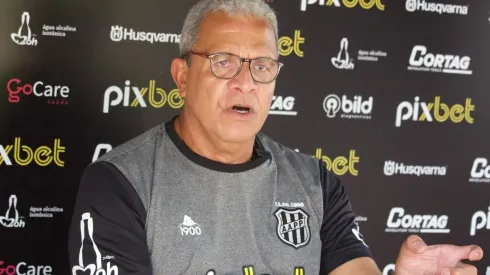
<point>228,66</point>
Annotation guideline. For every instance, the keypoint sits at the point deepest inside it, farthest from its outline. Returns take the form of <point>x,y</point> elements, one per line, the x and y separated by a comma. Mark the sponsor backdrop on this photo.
<point>393,95</point>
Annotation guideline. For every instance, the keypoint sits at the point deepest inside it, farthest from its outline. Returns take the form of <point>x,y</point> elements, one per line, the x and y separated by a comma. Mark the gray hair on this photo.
<point>255,8</point>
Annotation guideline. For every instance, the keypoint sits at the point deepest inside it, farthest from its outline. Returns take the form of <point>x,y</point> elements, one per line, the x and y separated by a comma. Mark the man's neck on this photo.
<point>209,146</point>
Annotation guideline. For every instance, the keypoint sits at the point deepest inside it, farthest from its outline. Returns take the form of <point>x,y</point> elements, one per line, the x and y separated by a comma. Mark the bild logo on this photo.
<point>355,108</point>
<point>480,220</point>
<point>365,4</point>
<point>24,36</point>
<point>54,94</point>
<point>119,33</point>
<point>389,269</point>
<point>157,97</point>
<point>421,60</point>
<point>422,111</point>
<point>95,266</point>
<point>283,106</point>
<point>431,6</point>
<point>480,171</point>
<point>399,222</point>
<point>12,218</point>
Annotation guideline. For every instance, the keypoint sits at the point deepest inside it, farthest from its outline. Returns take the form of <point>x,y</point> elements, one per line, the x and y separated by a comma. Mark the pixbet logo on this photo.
<point>56,94</point>
<point>119,33</point>
<point>340,165</point>
<point>422,5</point>
<point>282,106</point>
<point>480,220</point>
<point>288,45</point>
<point>28,38</point>
<point>365,4</point>
<point>420,60</point>
<point>99,149</point>
<point>399,222</point>
<point>12,218</point>
<point>23,268</point>
<point>24,155</point>
<point>436,110</point>
<point>480,171</point>
<point>355,108</point>
<point>157,97</point>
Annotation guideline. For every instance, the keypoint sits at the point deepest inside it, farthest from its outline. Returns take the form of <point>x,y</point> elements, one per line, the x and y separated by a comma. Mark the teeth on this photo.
<point>241,110</point>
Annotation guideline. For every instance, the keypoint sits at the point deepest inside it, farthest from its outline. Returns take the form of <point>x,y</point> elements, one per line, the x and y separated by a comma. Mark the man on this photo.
<point>207,193</point>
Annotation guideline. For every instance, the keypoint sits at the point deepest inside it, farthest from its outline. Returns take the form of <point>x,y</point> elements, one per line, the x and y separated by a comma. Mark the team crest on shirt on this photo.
<point>293,227</point>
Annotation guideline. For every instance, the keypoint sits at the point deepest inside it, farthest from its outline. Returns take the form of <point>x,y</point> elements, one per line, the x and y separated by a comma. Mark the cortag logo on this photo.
<point>25,155</point>
<point>12,218</point>
<point>480,171</point>
<point>355,108</point>
<point>365,4</point>
<point>119,33</point>
<point>399,222</point>
<point>422,5</point>
<point>438,111</point>
<point>157,97</point>
<point>480,220</point>
<point>283,106</point>
<point>421,60</point>
<point>393,168</point>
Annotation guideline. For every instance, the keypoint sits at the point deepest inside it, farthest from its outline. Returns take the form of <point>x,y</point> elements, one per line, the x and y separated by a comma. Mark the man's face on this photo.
<point>213,101</point>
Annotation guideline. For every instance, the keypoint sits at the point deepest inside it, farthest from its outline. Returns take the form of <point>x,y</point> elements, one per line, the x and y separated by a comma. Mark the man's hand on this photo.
<point>416,258</point>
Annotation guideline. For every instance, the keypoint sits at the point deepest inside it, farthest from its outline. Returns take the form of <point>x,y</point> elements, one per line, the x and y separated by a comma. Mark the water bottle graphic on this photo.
<point>12,218</point>
<point>27,39</point>
<point>342,60</point>
<point>91,251</point>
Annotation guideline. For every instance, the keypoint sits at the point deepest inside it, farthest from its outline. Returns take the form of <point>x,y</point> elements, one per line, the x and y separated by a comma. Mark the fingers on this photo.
<point>470,252</point>
<point>460,269</point>
<point>414,244</point>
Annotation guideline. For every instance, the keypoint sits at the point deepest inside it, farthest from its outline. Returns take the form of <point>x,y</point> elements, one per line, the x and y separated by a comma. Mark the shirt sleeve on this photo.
<point>107,230</point>
<point>340,235</point>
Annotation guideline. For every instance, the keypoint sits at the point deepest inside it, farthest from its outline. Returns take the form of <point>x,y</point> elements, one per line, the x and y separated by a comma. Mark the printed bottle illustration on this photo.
<point>11,218</point>
<point>342,61</point>
<point>91,251</point>
<point>21,39</point>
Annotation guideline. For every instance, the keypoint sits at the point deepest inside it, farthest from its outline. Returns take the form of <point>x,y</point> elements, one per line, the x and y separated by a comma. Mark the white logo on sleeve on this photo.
<point>189,227</point>
<point>94,268</point>
<point>358,234</point>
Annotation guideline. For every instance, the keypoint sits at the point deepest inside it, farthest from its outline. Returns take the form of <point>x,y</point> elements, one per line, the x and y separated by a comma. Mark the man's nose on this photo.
<point>244,80</point>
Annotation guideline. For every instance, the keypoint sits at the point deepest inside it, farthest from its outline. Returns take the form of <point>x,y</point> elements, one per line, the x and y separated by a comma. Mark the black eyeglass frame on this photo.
<point>242,60</point>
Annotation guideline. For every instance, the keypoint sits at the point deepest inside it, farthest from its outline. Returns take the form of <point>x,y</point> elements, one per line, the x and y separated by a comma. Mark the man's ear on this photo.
<point>179,71</point>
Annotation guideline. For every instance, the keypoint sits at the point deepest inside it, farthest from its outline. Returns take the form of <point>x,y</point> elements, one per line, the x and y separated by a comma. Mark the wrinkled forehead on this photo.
<point>237,34</point>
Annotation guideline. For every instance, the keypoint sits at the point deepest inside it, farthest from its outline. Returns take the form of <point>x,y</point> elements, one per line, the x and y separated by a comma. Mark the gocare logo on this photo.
<point>119,33</point>
<point>350,108</point>
<point>421,60</point>
<point>393,168</point>
<point>480,171</point>
<point>289,45</point>
<point>340,165</point>
<point>400,222</point>
<point>422,5</point>
<point>365,4</point>
<point>283,106</point>
<point>23,268</point>
<point>24,155</point>
<point>55,94</point>
<point>438,111</point>
<point>157,97</point>
<point>480,220</point>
